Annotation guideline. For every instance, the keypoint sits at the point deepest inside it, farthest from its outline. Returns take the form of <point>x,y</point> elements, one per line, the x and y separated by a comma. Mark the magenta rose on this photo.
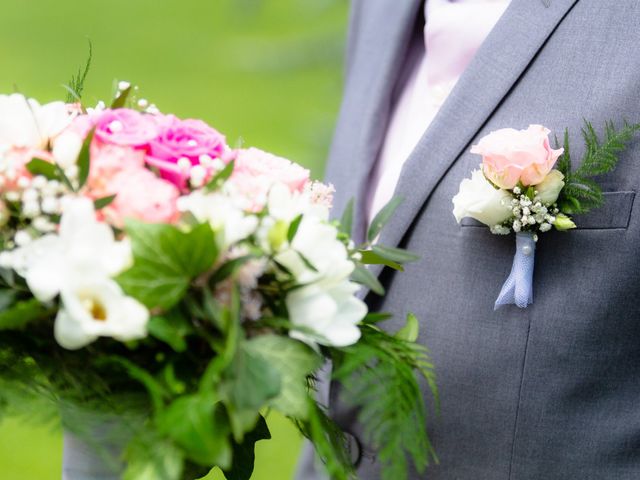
<point>125,127</point>
<point>183,139</point>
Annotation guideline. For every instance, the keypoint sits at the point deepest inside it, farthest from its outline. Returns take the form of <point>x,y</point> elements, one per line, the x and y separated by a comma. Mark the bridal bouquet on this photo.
<point>178,289</point>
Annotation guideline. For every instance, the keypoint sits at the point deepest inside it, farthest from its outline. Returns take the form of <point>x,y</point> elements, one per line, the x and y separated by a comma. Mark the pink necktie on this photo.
<point>453,32</point>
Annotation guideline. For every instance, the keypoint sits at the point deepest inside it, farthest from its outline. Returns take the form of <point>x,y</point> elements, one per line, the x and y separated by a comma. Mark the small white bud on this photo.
<point>6,260</point>
<point>22,238</point>
<point>123,85</point>
<point>184,163</point>
<point>143,103</point>
<point>24,182</point>
<point>116,126</point>
<point>50,205</point>
<point>39,182</point>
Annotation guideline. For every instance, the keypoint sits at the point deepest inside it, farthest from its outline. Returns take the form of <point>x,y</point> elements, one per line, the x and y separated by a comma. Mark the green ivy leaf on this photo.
<point>294,361</point>
<point>172,329</point>
<point>252,380</point>
<point>382,218</point>
<point>22,313</point>
<point>199,425</point>
<point>244,453</point>
<point>166,259</point>
<point>163,461</point>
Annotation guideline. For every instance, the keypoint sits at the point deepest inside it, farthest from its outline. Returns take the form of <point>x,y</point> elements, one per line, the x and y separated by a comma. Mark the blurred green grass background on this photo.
<point>264,72</point>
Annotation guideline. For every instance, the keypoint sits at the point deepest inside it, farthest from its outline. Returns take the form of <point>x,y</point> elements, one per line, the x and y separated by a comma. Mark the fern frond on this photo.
<point>379,378</point>
<point>580,193</point>
<point>564,162</point>
<point>75,88</point>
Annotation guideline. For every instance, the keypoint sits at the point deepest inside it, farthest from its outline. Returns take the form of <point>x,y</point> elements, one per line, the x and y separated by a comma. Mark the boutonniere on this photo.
<point>527,187</point>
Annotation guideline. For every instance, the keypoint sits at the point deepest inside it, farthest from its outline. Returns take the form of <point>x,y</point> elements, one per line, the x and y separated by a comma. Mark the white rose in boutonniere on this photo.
<point>479,199</point>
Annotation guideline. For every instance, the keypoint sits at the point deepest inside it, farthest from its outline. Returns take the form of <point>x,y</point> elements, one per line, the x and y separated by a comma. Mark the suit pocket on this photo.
<point>614,213</point>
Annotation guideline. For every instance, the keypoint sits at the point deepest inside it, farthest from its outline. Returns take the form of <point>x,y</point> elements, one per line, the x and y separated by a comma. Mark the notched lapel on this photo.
<point>498,64</point>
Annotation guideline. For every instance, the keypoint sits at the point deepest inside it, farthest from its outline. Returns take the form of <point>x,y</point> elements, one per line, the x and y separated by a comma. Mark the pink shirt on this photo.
<point>453,32</point>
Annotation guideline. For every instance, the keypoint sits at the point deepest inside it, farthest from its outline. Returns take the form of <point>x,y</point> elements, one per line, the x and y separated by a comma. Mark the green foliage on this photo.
<point>121,100</point>
<point>244,453</point>
<point>171,328</point>
<point>329,442</point>
<point>219,178</point>
<point>294,362</point>
<point>364,277</point>
<point>37,166</point>
<point>100,203</point>
<point>369,257</point>
<point>199,425</point>
<point>346,221</point>
<point>20,314</point>
<point>166,260</point>
<point>378,377</point>
<point>581,193</point>
<point>75,88</point>
<point>382,218</point>
<point>84,159</point>
<point>398,255</point>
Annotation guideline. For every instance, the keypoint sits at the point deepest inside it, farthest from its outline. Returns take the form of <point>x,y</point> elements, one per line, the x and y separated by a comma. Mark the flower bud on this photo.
<point>550,187</point>
<point>563,223</point>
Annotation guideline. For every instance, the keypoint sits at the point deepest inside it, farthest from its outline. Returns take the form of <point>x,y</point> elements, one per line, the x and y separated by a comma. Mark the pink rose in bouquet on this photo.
<point>510,156</point>
<point>143,196</point>
<point>256,171</point>
<point>125,127</point>
<point>182,144</point>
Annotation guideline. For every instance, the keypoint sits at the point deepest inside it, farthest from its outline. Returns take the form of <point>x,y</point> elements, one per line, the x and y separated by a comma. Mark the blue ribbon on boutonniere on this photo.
<point>518,288</point>
<point>526,187</point>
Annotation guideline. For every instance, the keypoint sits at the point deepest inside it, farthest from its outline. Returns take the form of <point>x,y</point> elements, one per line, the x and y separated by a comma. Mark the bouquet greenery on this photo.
<point>172,291</point>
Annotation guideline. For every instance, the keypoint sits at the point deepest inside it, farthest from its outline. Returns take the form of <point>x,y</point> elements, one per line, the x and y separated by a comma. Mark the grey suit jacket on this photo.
<point>551,391</point>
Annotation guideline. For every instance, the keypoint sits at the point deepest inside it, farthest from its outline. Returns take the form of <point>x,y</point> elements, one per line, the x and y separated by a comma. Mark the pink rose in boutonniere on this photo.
<point>510,156</point>
<point>519,190</point>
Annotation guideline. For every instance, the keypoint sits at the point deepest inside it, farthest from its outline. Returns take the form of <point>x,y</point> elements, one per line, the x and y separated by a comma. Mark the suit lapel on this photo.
<point>501,60</point>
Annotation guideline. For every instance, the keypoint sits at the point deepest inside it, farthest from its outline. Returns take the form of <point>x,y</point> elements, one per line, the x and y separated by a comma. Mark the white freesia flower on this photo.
<point>316,242</point>
<point>479,199</point>
<point>327,314</point>
<point>286,205</point>
<point>97,307</point>
<point>66,149</point>
<point>549,189</point>
<point>82,246</point>
<point>26,123</point>
<point>230,222</point>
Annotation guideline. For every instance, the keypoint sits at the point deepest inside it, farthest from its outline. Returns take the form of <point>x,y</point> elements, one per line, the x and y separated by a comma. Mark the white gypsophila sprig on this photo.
<point>529,214</point>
